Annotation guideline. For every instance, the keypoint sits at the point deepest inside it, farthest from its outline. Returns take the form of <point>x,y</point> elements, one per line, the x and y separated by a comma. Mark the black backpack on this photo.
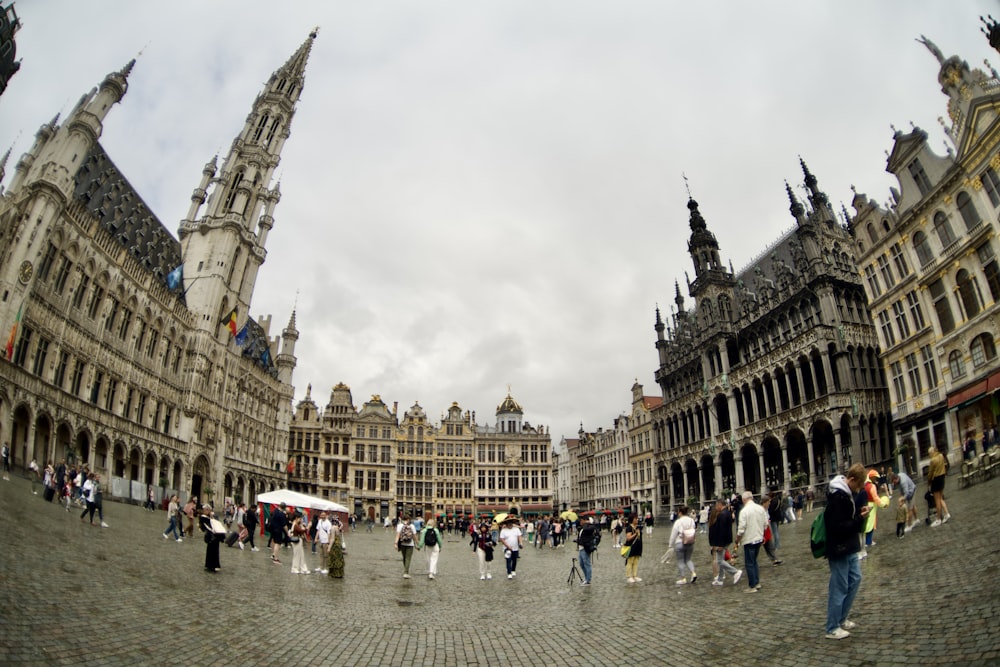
<point>430,537</point>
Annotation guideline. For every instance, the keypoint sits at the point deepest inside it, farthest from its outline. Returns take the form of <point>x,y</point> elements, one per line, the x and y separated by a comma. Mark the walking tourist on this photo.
<point>682,537</point>
<point>936,473</point>
<point>633,540</point>
<point>720,536</point>
<point>844,523</point>
<point>405,542</point>
<point>750,533</point>
<point>510,537</point>
<point>430,539</point>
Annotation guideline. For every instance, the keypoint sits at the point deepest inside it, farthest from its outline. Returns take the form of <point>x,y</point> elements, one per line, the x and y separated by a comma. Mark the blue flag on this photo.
<point>175,277</point>
<point>241,336</point>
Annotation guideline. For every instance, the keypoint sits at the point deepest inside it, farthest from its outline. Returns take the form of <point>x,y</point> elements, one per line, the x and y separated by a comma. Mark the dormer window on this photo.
<point>920,177</point>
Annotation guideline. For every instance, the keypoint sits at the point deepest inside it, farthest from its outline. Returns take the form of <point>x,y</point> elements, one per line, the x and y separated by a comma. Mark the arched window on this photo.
<point>261,124</point>
<point>956,364</point>
<point>923,248</point>
<point>231,197</point>
<point>270,132</point>
<point>968,210</point>
<point>968,290</point>
<point>982,349</point>
<point>943,229</point>
<point>871,233</point>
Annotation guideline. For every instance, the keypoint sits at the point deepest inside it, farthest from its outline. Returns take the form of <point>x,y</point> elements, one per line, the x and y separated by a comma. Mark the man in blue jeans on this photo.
<point>588,539</point>
<point>844,523</point>
<point>750,533</point>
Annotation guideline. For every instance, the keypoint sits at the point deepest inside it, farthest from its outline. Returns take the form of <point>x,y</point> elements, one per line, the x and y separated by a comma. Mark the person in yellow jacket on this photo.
<point>936,472</point>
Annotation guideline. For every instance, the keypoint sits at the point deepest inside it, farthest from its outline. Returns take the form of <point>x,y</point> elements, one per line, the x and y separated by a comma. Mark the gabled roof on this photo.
<point>651,402</point>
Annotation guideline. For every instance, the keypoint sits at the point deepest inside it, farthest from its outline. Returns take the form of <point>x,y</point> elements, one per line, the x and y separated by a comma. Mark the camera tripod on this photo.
<point>574,573</point>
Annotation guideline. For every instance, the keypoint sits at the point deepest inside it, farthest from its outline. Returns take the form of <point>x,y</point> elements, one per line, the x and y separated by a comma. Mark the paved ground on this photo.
<point>71,594</point>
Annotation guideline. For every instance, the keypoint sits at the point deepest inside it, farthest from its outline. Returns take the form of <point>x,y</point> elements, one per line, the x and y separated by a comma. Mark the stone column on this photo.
<point>811,459</point>
<point>785,472</point>
<point>740,483</point>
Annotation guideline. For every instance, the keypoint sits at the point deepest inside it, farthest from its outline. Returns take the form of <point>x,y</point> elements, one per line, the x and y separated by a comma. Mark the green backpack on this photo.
<point>817,536</point>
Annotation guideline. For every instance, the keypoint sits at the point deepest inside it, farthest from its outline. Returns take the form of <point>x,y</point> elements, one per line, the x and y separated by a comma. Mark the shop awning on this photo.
<point>974,391</point>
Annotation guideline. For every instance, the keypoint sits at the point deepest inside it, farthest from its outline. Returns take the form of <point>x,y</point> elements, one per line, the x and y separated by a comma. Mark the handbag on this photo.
<point>688,535</point>
<point>626,550</point>
<point>767,533</point>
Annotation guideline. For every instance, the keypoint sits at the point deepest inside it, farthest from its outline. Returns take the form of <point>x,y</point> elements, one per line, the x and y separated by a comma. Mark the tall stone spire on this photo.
<point>229,245</point>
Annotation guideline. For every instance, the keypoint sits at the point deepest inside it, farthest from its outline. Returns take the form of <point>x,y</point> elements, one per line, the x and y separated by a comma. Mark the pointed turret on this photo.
<point>286,360</point>
<point>232,232</point>
<point>3,167</point>
<point>797,210</point>
<point>817,197</point>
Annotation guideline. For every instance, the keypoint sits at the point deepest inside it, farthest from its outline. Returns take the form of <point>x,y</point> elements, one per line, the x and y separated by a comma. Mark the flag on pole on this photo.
<point>175,277</point>
<point>230,321</point>
<point>13,334</point>
<point>241,336</point>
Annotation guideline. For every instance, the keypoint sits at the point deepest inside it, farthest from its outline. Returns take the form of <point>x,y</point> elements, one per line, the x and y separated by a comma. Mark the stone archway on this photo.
<point>118,459</point>
<point>82,449</point>
<point>693,489</point>
<point>149,469</point>
<point>774,467</point>
<point>19,428</point>
<point>134,463</point>
<point>677,483</point>
<point>824,450</point>
<point>707,477</point>
<point>200,478</point>
<point>63,444</point>
<point>42,447</point>
<point>798,459</point>
<point>727,463</point>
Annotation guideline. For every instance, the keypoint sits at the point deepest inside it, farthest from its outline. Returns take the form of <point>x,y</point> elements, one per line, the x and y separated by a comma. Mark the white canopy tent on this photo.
<point>299,501</point>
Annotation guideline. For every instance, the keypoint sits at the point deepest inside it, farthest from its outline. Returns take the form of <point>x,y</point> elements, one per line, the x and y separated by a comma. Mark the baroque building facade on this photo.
<point>929,260</point>
<point>121,352</point>
<point>772,378</point>
<point>380,465</point>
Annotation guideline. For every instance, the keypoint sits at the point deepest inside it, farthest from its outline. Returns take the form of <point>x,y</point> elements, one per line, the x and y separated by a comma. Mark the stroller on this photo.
<point>931,508</point>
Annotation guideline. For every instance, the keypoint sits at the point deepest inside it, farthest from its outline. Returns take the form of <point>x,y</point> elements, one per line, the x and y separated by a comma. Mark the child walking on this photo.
<point>902,512</point>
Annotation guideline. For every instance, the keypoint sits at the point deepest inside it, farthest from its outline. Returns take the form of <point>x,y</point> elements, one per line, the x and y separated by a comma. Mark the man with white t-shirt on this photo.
<point>323,528</point>
<point>510,538</point>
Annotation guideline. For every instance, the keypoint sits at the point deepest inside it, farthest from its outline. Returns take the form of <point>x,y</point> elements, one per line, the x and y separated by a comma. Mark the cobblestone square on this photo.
<point>75,594</point>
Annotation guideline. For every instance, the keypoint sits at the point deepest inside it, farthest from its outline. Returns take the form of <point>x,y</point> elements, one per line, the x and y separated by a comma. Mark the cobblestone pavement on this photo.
<point>75,594</point>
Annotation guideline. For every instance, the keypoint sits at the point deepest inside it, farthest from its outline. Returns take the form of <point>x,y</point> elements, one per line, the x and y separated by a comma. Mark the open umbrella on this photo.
<point>503,516</point>
<point>568,515</point>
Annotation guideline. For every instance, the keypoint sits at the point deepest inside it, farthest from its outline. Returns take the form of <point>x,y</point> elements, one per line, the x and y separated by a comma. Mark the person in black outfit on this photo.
<point>250,521</point>
<point>278,528</point>
<point>212,540</point>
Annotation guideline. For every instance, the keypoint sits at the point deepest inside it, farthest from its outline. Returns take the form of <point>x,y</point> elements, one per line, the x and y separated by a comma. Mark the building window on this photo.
<point>81,290</point>
<point>920,177</point>
<point>76,380</point>
<point>40,353</point>
<point>916,311</point>
<point>359,480</point>
<point>968,290</point>
<point>95,389</point>
<point>109,320</point>
<point>873,284</point>
<point>956,364</point>
<point>60,376</point>
<point>930,367</point>
<point>110,393</point>
<point>991,183</point>
<point>941,306</point>
<point>896,371</point>
<point>970,216</point>
<point>46,264</point>
<point>883,268</point>
<point>989,263</point>
<point>125,323</point>
<point>888,337</point>
<point>923,248</point>
<point>21,349</point>
<point>899,259</point>
<point>913,371</point>
<point>96,296</point>
<point>982,349</point>
<point>943,230</point>
<point>62,275</point>
<point>899,311</point>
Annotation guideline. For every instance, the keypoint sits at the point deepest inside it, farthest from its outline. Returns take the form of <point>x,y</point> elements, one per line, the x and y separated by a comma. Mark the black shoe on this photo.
<point>694,578</point>
<point>777,562</point>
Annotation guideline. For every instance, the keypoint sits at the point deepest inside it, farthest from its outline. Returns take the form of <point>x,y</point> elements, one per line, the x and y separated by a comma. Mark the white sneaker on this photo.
<point>936,523</point>
<point>638,579</point>
<point>164,534</point>
<point>430,576</point>
<point>838,633</point>
<point>848,625</point>
<point>254,549</point>
<point>241,546</point>
<point>104,525</point>
<point>489,576</point>
<point>945,519</point>
<point>324,571</point>
<point>510,576</point>
<point>736,577</point>
<point>631,580</point>
<point>681,582</point>
<point>406,576</point>
<point>716,582</point>
<point>180,539</point>
<point>482,578</point>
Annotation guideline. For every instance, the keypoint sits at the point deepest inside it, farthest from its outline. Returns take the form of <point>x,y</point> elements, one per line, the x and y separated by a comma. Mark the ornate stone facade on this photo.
<point>931,272</point>
<point>456,467</point>
<point>120,354</point>
<point>772,379</point>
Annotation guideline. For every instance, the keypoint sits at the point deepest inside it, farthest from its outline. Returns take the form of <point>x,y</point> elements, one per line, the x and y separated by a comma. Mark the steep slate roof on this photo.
<point>108,195</point>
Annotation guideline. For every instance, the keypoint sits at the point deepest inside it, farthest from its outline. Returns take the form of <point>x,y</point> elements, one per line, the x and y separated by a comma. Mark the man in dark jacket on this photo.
<point>844,523</point>
<point>587,540</point>
<point>278,528</point>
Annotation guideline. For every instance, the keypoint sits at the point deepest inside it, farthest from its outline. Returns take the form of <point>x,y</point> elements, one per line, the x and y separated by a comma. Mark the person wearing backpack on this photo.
<point>587,540</point>
<point>682,536</point>
<point>405,541</point>
<point>430,537</point>
<point>844,522</point>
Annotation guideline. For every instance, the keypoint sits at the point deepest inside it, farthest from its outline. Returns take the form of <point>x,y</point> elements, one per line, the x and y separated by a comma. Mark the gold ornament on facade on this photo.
<point>995,161</point>
<point>976,184</point>
<point>947,199</point>
<point>966,93</point>
<point>952,77</point>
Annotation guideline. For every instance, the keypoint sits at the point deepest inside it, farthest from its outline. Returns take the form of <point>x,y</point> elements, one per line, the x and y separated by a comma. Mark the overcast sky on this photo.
<point>484,194</point>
